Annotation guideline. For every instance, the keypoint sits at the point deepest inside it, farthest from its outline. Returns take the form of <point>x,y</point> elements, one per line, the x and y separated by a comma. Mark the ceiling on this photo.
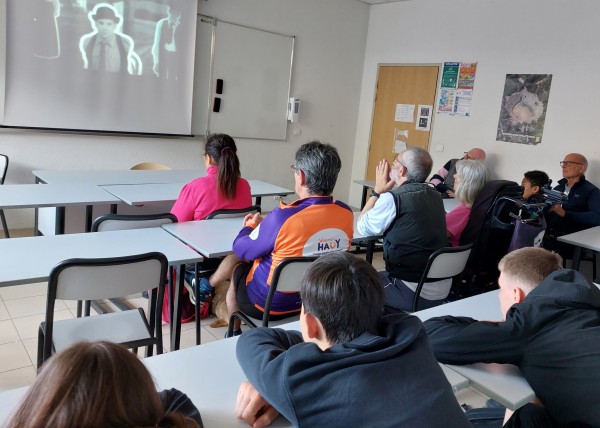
<point>379,1</point>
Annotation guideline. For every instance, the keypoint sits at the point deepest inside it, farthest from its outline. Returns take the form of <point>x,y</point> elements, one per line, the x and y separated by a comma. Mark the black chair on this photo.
<point>3,169</point>
<point>90,279</point>
<point>286,277</point>
<point>447,262</point>
<point>490,230</point>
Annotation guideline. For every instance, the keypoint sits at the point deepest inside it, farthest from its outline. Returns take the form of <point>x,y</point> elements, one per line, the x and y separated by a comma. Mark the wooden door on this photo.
<point>400,85</point>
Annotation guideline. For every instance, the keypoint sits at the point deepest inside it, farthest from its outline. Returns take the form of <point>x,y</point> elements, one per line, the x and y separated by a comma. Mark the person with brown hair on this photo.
<point>221,188</point>
<point>97,385</point>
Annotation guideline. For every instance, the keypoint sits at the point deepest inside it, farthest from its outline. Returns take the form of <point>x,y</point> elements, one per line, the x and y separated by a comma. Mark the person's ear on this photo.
<point>302,177</point>
<point>518,295</point>
<point>312,326</point>
<point>536,189</point>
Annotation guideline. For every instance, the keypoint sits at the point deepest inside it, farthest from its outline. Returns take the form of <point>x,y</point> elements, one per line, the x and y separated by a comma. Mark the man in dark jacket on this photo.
<point>551,331</point>
<point>582,209</point>
<point>410,215</point>
<point>354,367</point>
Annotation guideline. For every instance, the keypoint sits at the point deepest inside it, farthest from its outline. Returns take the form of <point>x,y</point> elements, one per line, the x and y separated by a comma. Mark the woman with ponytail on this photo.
<point>221,188</point>
<point>99,385</point>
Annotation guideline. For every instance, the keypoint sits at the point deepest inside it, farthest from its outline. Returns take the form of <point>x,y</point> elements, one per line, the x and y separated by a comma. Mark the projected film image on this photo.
<point>104,65</point>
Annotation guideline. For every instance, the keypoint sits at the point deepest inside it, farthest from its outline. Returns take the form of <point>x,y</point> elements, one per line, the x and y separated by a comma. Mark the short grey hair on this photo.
<point>418,164</point>
<point>321,165</point>
<point>472,176</point>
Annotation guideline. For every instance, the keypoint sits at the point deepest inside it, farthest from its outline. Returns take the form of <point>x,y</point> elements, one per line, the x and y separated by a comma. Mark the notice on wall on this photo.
<point>405,113</point>
<point>423,118</point>
<point>400,140</point>
<point>456,88</point>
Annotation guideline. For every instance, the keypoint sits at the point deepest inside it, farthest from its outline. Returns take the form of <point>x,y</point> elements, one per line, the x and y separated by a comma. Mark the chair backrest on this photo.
<point>92,279</point>
<point>447,262</point>
<point>227,213</point>
<point>490,242</point>
<point>110,222</point>
<point>150,165</point>
<point>286,277</point>
<point>3,167</point>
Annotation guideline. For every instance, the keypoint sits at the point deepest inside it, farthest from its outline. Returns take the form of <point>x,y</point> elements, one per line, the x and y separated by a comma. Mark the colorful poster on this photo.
<point>523,109</point>
<point>456,89</point>
<point>450,74</point>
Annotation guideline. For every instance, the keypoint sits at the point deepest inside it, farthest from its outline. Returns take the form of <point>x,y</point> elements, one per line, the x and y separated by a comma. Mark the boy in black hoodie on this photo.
<point>350,366</point>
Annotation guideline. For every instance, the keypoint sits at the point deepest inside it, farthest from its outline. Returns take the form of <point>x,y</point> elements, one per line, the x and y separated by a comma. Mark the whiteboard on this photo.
<point>255,67</point>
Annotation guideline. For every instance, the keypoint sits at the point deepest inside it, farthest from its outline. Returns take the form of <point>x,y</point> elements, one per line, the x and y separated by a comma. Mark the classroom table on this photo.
<point>152,193</point>
<point>588,238</point>
<point>14,196</point>
<point>28,260</point>
<point>214,238</point>
<point>122,176</point>
<point>449,203</point>
<point>502,382</point>
<point>213,390</point>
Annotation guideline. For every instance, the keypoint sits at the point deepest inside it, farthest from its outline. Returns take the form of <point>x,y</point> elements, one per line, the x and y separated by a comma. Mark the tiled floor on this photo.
<point>22,309</point>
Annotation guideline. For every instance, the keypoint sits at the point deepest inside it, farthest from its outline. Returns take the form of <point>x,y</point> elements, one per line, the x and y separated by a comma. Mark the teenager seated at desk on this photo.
<point>313,225</point>
<point>469,179</point>
<point>351,366</point>
<point>97,385</point>
<point>551,331</point>
<point>221,188</point>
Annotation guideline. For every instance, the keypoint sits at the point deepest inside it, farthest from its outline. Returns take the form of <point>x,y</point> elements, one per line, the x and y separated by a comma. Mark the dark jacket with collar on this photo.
<point>385,380</point>
<point>582,208</point>
<point>554,338</point>
<point>418,229</point>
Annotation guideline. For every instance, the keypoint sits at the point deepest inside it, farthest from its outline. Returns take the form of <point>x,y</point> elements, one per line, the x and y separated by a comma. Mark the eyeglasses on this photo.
<point>294,169</point>
<point>566,164</point>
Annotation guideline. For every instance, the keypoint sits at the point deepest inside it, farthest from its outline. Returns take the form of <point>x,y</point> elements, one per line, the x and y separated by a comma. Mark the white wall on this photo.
<point>328,60</point>
<point>557,37</point>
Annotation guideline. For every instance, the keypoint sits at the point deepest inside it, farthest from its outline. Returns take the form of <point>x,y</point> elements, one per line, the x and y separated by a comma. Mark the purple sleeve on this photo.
<point>251,244</point>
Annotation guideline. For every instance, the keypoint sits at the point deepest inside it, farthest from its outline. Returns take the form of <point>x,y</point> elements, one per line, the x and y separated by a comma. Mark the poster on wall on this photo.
<point>456,88</point>
<point>523,109</point>
<point>423,122</point>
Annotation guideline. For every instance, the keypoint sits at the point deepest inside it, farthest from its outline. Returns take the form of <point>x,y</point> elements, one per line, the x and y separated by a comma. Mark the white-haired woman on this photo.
<point>470,177</point>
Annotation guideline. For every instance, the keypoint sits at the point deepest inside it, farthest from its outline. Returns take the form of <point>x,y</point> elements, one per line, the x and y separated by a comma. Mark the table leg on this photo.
<point>369,251</point>
<point>258,200</point>
<point>176,323</point>
<point>576,258</point>
<point>59,224</point>
<point>197,305</point>
<point>89,209</point>
<point>363,200</point>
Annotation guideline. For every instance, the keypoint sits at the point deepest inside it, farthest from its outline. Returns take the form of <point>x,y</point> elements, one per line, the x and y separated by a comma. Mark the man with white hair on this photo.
<point>551,330</point>
<point>444,179</point>
<point>410,215</point>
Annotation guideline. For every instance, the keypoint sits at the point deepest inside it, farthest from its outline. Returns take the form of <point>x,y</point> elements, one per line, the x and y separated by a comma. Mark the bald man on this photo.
<point>581,211</point>
<point>444,179</point>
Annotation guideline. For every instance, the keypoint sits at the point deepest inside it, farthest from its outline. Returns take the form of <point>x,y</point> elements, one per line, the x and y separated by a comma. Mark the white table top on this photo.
<point>211,238</point>
<point>502,382</point>
<point>27,260</point>
<point>52,195</point>
<point>149,193</point>
<point>214,392</point>
<point>106,177</point>
<point>214,238</point>
<point>588,238</point>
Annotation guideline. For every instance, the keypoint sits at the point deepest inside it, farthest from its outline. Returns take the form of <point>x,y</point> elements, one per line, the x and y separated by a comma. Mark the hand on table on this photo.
<point>450,193</point>
<point>253,408</point>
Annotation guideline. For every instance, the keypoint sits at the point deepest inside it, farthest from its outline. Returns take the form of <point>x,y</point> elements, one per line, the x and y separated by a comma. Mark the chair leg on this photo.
<point>4,225</point>
<point>197,305</point>
<point>40,347</point>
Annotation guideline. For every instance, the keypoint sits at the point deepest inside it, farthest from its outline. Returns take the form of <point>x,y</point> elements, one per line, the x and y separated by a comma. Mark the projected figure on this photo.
<point>44,29</point>
<point>166,40</point>
<point>107,48</point>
